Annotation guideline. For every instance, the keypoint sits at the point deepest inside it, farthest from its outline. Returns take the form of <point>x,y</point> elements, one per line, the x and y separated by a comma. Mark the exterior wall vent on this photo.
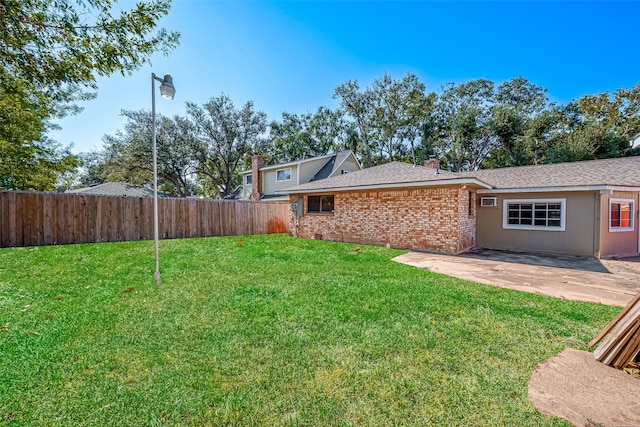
<point>489,201</point>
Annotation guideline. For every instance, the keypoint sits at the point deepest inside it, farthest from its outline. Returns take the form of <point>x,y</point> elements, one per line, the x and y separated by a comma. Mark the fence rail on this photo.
<point>36,219</point>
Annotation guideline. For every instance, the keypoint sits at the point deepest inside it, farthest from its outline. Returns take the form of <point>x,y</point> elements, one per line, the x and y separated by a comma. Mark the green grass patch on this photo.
<point>268,330</point>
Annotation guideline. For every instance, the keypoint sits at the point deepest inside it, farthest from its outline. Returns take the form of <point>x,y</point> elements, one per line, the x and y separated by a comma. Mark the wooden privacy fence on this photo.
<point>35,219</point>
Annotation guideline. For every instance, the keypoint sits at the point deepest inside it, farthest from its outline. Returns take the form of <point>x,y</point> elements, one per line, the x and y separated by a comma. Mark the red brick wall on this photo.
<point>433,219</point>
<point>466,219</point>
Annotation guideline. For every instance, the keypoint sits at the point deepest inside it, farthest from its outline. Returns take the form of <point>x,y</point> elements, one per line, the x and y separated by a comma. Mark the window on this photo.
<point>472,204</point>
<point>283,175</point>
<point>621,214</point>
<point>532,214</point>
<point>248,179</point>
<point>320,204</point>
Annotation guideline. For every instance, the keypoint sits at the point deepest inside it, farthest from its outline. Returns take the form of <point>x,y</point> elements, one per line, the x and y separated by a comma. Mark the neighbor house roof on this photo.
<point>389,175</point>
<point>118,189</point>
<point>332,165</point>
<point>619,172</point>
<point>337,157</point>
<point>616,173</point>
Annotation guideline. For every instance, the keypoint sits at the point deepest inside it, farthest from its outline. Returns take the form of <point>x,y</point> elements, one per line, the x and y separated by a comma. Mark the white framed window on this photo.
<point>534,214</point>
<point>621,212</point>
<point>283,175</point>
<point>248,179</point>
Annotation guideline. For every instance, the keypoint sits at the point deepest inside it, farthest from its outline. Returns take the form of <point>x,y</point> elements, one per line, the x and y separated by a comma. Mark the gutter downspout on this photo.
<point>596,226</point>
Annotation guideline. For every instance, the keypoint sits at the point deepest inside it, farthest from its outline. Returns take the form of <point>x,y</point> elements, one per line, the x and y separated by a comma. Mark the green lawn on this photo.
<point>268,330</point>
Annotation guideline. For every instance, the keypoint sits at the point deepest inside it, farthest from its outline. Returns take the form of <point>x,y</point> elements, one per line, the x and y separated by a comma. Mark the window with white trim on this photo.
<point>534,214</point>
<point>621,214</point>
<point>283,175</point>
<point>248,179</point>
<point>320,204</point>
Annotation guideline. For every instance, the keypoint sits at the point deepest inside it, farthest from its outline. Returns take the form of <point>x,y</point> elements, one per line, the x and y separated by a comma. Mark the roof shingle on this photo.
<point>389,173</point>
<point>624,171</point>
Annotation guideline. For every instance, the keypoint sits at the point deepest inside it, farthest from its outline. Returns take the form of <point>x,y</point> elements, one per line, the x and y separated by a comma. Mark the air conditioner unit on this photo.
<point>488,201</point>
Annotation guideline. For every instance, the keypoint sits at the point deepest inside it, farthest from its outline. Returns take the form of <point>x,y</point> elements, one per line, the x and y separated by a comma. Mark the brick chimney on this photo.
<point>256,178</point>
<point>432,163</point>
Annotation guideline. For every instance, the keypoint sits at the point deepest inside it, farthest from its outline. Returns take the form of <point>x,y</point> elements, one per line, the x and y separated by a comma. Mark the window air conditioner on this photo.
<point>488,201</point>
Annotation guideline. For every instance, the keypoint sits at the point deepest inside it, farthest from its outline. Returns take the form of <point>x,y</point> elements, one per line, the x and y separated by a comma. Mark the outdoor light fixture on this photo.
<point>167,90</point>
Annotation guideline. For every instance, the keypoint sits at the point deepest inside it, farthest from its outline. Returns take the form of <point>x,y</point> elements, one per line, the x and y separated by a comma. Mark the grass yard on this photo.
<point>268,330</point>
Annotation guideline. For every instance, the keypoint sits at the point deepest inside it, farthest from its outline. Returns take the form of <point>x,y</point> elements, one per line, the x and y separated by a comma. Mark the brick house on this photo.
<point>580,208</point>
<point>394,204</point>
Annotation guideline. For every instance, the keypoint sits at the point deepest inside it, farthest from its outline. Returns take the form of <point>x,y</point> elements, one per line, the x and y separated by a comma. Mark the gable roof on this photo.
<point>388,175</point>
<point>341,154</point>
<point>332,166</point>
<point>622,171</point>
<point>120,189</point>
<point>592,174</point>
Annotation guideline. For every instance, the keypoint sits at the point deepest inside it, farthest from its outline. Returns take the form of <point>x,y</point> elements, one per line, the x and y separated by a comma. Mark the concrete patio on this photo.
<point>588,279</point>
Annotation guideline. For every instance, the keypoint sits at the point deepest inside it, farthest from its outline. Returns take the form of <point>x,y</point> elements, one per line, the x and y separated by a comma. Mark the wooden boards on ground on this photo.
<point>622,345</point>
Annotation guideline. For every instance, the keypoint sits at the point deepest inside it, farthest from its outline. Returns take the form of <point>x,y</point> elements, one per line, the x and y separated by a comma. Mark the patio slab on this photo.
<point>576,387</point>
<point>612,282</point>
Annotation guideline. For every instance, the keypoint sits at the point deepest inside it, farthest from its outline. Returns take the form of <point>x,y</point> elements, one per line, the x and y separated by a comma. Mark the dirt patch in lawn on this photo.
<point>574,386</point>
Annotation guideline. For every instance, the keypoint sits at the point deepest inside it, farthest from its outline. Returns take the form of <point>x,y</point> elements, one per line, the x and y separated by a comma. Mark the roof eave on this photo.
<point>600,187</point>
<point>413,184</point>
<point>282,197</point>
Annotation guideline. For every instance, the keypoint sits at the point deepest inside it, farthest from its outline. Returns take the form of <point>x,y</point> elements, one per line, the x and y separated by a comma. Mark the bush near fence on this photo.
<point>36,219</point>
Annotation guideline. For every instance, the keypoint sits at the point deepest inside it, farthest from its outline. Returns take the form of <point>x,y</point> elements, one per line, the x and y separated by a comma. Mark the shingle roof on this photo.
<point>299,161</point>
<point>118,189</point>
<point>330,167</point>
<point>623,171</point>
<point>393,173</point>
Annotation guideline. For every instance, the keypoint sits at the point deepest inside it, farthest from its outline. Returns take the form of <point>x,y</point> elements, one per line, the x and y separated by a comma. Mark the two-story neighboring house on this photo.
<point>262,182</point>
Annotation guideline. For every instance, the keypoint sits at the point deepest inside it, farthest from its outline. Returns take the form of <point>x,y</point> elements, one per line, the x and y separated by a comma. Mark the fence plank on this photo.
<point>3,220</point>
<point>38,224</point>
<point>27,214</point>
<point>30,218</point>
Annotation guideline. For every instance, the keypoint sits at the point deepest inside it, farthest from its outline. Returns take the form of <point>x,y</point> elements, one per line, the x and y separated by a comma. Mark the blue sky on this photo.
<point>290,56</point>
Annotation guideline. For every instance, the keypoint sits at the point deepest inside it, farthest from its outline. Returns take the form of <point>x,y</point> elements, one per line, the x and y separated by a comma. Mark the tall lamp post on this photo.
<point>168,91</point>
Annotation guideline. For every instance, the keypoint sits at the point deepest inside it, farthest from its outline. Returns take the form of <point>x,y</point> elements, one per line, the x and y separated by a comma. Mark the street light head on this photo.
<point>167,90</point>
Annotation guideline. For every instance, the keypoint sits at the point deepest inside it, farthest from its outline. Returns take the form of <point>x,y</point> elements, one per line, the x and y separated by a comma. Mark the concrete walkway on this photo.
<point>611,282</point>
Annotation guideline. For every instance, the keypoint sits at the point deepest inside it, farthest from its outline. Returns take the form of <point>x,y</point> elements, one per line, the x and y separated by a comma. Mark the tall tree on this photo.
<point>613,117</point>
<point>401,107</point>
<point>330,130</point>
<point>289,138</point>
<point>128,157</point>
<point>226,134</point>
<point>92,171</point>
<point>51,54</point>
<point>597,126</point>
<point>463,115</point>
<point>28,160</point>
<point>521,119</point>
<point>360,106</point>
<point>308,135</point>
